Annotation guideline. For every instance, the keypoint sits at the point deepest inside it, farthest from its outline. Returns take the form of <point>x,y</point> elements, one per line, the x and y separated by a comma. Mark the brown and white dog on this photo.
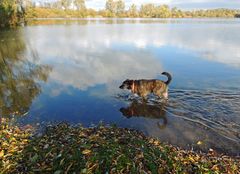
<point>145,87</point>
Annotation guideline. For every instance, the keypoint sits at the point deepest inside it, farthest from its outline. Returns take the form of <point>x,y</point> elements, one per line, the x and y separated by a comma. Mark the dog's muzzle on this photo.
<point>121,87</point>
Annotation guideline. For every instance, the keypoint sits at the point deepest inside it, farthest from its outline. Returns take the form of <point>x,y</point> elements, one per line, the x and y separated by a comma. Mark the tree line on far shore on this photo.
<point>12,12</point>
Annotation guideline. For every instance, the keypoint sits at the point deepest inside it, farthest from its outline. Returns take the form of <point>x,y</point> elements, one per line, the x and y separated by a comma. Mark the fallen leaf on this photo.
<point>85,152</point>
<point>1,154</point>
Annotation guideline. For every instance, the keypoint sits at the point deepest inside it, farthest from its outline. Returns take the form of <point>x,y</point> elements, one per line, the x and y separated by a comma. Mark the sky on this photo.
<point>183,4</point>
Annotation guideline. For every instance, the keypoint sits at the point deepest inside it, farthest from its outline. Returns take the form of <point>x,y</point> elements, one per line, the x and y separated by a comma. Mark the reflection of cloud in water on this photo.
<point>87,55</point>
<point>217,42</point>
<point>213,42</point>
<point>88,70</point>
<point>82,57</point>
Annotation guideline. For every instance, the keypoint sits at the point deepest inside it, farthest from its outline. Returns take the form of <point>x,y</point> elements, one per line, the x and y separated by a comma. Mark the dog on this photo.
<point>145,87</point>
<point>136,109</point>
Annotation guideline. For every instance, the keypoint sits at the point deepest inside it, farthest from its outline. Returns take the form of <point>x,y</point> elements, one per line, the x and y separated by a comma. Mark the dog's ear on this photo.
<point>127,81</point>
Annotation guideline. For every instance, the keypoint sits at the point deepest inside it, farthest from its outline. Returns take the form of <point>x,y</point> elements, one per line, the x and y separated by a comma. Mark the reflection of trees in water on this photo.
<point>60,22</point>
<point>19,78</point>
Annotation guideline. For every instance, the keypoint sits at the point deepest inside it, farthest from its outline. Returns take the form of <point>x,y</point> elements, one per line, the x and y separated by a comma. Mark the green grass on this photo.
<point>66,149</point>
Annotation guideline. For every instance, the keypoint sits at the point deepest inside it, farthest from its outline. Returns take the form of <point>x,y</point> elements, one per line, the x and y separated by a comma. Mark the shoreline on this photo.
<point>102,148</point>
<point>128,18</point>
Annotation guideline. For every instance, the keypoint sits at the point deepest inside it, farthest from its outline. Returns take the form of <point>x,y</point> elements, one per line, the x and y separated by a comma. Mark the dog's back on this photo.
<point>144,87</point>
<point>149,85</point>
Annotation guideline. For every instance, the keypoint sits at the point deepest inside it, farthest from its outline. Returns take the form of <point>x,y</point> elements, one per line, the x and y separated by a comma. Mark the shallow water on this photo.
<point>70,71</point>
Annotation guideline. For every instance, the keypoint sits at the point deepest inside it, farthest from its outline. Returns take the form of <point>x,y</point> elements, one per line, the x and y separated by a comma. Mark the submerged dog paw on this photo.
<point>151,99</point>
<point>156,100</point>
<point>127,97</point>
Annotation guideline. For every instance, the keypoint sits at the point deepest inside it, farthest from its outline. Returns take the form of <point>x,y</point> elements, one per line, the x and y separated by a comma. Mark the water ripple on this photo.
<point>215,110</point>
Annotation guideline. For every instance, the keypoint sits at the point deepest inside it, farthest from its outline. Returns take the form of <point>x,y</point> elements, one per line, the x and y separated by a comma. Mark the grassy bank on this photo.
<point>66,149</point>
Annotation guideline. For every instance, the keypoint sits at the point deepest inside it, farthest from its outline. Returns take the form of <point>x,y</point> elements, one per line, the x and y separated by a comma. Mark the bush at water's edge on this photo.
<point>11,13</point>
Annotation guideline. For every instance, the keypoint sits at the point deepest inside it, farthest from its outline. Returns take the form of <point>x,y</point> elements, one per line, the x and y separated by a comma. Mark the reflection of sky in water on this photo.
<point>86,50</point>
<point>90,61</point>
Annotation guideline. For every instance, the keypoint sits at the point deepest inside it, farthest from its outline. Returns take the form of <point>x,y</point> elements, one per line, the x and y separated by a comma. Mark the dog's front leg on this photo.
<point>165,95</point>
<point>144,98</point>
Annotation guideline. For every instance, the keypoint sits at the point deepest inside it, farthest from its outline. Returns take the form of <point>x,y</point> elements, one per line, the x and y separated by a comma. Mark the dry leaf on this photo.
<point>85,152</point>
<point>1,154</point>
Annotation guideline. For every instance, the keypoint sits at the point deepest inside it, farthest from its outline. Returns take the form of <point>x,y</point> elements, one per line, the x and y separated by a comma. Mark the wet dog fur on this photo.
<point>145,87</point>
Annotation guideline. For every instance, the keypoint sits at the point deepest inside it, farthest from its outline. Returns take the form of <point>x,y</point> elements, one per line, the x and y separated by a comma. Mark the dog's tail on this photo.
<point>168,76</point>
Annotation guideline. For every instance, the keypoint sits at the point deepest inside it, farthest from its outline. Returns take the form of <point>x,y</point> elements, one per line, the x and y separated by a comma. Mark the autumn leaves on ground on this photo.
<point>66,149</point>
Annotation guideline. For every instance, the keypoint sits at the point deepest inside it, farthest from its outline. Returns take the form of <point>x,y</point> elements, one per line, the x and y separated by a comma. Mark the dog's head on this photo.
<point>127,112</point>
<point>127,84</point>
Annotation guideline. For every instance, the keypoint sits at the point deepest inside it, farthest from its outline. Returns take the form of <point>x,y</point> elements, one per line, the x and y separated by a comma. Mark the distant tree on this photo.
<point>111,6</point>
<point>133,12</point>
<point>176,13</point>
<point>80,4</point>
<point>237,15</point>
<point>147,10</point>
<point>46,4</point>
<point>91,12</point>
<point>11,10</point>
<point>163,11</point>
<point>57,5</point>
<point>66,4</point>
<point>27,3</point>
<point>120,7</point>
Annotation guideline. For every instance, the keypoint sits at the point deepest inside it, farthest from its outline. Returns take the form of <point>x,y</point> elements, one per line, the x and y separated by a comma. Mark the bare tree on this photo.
<point>133,12</point>
<point>80,4</point>
<point>120,7</point>
<point>65,4</point>
<point>111,6</point>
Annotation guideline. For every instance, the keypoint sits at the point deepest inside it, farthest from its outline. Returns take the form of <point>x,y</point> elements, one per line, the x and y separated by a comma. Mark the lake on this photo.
<point>58,70</point>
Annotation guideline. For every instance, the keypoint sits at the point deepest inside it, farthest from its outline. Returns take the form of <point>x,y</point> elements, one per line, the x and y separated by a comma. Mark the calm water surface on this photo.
<point>70,71</point>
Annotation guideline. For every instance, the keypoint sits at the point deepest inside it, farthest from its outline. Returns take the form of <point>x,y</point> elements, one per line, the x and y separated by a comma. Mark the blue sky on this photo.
<point>183,4</point>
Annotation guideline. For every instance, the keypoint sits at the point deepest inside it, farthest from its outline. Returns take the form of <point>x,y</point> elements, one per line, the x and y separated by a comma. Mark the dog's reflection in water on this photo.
<point>136,109</point>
